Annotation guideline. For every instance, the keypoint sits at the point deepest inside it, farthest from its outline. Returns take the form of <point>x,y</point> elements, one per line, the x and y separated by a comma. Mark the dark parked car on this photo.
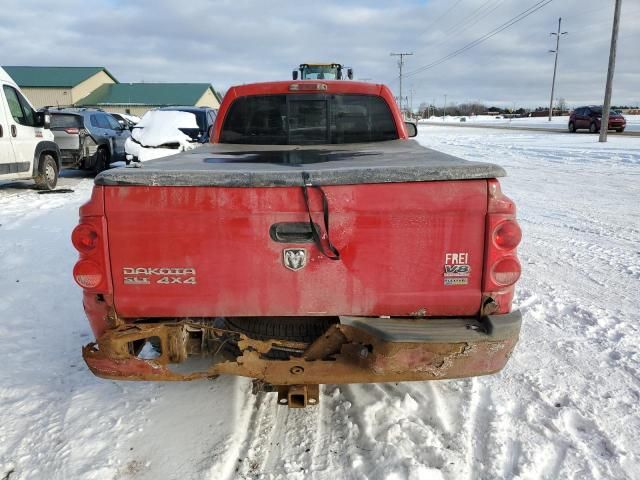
<point>589,118</point>
<point>205,117</point>
<point>88,139</point>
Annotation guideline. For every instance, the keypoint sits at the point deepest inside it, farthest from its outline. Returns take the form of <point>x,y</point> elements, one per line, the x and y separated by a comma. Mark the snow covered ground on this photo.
<point>565,407</point>
<point>558,123</point>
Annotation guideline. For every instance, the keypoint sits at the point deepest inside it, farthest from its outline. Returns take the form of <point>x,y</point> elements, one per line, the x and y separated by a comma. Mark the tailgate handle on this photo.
<point>291,232</point>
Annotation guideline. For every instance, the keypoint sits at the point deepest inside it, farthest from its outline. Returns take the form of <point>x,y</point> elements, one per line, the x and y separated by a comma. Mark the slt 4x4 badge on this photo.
<point>159,275</point>
<point>294,258</point>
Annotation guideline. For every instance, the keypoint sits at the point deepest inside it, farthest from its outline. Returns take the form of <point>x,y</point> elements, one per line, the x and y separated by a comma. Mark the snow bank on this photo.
<point>558,123</point>
<point>158,128</point>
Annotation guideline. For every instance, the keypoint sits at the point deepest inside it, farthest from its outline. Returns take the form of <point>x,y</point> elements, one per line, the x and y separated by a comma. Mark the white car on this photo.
<point>27,149</point>
<point>160,133</point>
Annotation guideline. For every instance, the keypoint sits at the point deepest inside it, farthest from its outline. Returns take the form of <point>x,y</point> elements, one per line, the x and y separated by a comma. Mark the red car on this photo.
<point>312,242</point>
<point>589,118</point>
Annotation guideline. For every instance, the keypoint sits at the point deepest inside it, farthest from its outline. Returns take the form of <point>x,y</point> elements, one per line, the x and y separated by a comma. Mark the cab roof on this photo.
<point>284,87</point>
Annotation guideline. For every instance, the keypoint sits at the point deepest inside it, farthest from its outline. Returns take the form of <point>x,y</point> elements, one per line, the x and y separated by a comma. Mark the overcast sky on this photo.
<point>241,41</point>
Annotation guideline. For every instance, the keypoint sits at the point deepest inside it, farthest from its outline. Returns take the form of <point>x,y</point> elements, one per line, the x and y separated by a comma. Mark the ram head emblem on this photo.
<point>294,258</point>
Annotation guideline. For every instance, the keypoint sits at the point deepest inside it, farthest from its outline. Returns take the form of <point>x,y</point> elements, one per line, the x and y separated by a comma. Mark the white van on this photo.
<point>27,149</point>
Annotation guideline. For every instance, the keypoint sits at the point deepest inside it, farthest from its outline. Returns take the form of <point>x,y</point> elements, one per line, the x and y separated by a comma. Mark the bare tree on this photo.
<point>423,110</point>
<point>561,105</point>
<point>472,108</point>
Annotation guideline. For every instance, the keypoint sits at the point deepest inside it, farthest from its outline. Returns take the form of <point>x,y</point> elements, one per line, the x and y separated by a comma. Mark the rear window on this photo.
<point>598,111</point>
<point>65,121</point>
<point>308,119</point>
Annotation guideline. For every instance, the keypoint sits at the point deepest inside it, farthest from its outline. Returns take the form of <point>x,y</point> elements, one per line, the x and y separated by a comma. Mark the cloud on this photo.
<point>231,42</point>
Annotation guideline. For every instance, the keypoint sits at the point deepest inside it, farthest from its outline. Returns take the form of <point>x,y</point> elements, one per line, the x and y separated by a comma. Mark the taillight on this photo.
<point>91,271</point>
<point>88,274</point>
<point>501,266</point>
<point>72,131</point>
<point>506,271</point>
<point>507,235</point>
<point>85,238</point>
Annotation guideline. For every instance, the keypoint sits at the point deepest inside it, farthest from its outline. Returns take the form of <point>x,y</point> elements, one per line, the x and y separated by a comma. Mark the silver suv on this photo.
<point>89,139</point>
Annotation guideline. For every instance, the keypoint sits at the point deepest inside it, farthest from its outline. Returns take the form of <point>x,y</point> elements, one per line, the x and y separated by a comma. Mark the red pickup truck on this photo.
<point>311,242</point>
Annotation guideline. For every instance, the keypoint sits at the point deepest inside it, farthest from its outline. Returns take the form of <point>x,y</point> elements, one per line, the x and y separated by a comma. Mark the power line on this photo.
<point>521,16</point>
<point>461,25</point>
<point>443,15</point>
<point>477,10</point>
<point>469,21</point>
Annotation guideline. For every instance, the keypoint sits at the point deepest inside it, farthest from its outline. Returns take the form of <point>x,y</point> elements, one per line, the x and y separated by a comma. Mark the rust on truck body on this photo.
<point>344,354</point>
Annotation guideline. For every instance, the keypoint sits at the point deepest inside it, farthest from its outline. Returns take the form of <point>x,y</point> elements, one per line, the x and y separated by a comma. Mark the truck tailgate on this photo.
<point>207,251</point>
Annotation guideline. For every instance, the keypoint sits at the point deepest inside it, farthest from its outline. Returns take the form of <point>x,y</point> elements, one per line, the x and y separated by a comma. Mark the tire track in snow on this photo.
<point>245,412</point>
<point>250,445</point>
<point>480,416</point>
<point>278,440</point>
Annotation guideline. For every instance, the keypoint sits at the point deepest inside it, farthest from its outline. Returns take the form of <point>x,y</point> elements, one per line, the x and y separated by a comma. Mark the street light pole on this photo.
<point>555,65</point>
<point>604,123</point>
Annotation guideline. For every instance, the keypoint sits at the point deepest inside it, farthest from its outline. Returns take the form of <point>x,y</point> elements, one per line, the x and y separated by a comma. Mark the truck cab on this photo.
<point>322,71</point>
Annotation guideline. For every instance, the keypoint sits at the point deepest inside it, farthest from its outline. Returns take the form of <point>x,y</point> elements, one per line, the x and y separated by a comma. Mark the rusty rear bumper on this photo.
<point>357,350</point>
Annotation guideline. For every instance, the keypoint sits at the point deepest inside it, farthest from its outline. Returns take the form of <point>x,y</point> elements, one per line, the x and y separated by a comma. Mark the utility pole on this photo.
<point>400,65</point>
<point>411,100</point>
<point>444,111</point>
<point>555,65</point>
<point>604,123</point>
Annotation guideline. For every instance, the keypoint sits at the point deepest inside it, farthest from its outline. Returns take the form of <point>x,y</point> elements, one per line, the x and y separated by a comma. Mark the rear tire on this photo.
<point>47,177</point>
<point>102,160</point>
<point>593,127</point>
<point>572,127</point>
<point>293,329</point>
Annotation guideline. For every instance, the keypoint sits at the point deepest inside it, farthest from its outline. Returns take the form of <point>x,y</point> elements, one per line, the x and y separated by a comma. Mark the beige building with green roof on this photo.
<point>138,98</point>
<point>96,87</point>
<point>58,86</point>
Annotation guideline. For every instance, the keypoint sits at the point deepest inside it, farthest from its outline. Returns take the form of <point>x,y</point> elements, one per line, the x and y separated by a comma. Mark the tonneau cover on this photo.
<point>232,165</point>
